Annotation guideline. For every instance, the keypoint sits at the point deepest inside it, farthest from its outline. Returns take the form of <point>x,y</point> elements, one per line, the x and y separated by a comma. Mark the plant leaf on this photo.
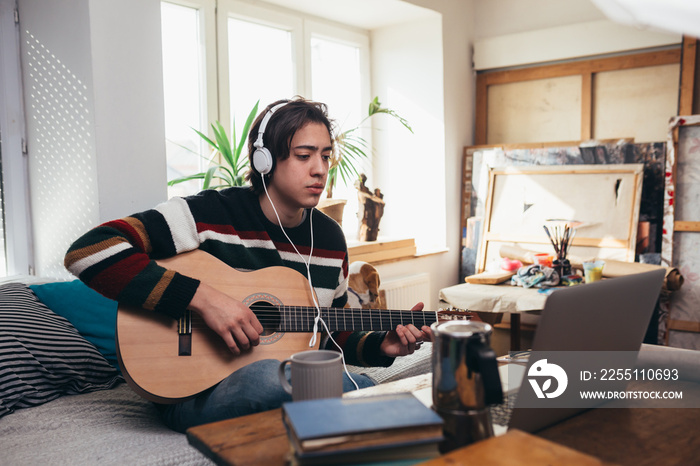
<point>223,141</point>
<point>208,176</point>
<point>246,129</point>
<point>182,179</point>
<point>352,148</point>
<point>206,138</point>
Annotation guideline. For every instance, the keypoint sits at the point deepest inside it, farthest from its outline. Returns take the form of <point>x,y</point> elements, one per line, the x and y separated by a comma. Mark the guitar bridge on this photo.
<point>184,334</point>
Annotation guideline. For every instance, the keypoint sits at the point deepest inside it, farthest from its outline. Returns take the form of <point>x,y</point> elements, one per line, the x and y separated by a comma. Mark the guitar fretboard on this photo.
<point>301,319</point>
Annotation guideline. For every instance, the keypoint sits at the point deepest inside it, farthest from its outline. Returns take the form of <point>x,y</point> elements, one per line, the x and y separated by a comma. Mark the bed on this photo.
<point>62,397</point>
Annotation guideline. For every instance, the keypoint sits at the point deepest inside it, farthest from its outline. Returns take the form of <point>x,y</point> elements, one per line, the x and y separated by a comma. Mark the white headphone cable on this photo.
<point>318,317</point>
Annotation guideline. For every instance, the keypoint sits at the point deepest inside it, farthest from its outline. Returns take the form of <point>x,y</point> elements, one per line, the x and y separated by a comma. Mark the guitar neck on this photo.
<point>301,319</point>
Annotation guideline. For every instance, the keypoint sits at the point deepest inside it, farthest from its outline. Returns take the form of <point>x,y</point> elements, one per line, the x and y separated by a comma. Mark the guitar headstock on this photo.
<point>453,313</point>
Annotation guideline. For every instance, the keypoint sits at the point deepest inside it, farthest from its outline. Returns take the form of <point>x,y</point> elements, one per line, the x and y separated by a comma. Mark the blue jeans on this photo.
<point>251,389</point>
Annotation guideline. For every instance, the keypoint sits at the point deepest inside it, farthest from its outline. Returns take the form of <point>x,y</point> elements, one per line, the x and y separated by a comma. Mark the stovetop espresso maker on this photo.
<point>465,381</point>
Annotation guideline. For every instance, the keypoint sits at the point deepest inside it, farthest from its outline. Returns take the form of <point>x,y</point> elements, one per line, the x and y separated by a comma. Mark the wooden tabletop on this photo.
<point>258,439</point>
<point>515,447</point>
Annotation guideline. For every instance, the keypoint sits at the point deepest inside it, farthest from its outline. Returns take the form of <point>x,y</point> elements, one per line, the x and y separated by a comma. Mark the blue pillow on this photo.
<point>93,315</point>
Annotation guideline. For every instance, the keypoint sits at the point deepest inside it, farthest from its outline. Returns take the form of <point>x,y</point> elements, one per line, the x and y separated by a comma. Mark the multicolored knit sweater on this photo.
<point>117,257</point>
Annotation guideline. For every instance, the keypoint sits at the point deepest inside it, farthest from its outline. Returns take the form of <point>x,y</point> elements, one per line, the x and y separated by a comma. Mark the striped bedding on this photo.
<point>42,356</point>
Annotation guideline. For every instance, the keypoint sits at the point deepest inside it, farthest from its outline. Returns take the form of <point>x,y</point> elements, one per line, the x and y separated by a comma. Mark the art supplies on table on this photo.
<point>561,234</point>
<point>352,430</point>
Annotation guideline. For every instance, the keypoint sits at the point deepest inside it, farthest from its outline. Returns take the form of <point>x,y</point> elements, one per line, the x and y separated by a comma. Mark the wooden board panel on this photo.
<point>533,111</point>
<point>636,102</point>
<point>684,325</point>
<point>586,70</point>
<point>680,225</point>
<point>489,278</point>
<point>605,198</point>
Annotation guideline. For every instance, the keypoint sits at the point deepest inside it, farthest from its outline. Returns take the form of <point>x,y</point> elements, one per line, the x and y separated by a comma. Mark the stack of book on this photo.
<point>362,430</point>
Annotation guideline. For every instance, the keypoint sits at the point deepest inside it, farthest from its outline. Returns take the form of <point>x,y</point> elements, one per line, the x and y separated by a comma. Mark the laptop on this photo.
<point>609,315</point>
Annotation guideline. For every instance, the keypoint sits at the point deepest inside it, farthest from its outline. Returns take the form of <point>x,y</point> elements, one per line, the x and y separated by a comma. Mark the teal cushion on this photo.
<point>93,315</point>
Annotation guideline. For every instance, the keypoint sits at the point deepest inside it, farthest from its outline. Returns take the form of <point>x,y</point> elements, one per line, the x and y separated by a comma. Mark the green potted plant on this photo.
<point>227,165</point>
<point>351,149</point>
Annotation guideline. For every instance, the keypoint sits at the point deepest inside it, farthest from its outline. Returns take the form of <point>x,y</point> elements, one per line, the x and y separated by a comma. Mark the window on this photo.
<point>183,87</point>
<point>263,54</point>
<point>260,64</point>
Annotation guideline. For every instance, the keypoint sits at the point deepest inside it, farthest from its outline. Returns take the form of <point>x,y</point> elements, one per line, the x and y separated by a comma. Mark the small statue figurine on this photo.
<point>371,210</point>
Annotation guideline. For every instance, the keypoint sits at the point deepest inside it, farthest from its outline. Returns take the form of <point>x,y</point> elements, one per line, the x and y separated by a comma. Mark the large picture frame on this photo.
<point>604,199</point>
<point>478,160</point>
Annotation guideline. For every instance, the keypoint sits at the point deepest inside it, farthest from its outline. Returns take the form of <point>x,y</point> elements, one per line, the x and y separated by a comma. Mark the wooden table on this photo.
<point>496,299</point>
<point>626,435</point>
<point>515,447</point>
<point>260,439</point>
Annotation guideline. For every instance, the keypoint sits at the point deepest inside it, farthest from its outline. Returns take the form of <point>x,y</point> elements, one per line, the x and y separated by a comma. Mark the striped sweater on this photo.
<point>117,257</point>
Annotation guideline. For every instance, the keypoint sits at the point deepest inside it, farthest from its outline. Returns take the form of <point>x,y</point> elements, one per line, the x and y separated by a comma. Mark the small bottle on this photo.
<point>557,266</point>
<point>565,268</point>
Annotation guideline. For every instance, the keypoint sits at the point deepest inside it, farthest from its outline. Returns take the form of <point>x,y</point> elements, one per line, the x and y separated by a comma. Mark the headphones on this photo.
<point>262,158</point>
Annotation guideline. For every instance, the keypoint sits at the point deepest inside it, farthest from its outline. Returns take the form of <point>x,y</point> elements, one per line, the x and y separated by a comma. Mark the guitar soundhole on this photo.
<point>268,315</point>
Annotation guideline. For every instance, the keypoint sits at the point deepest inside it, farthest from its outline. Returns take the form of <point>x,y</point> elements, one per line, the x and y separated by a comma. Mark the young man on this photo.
<point>271,223</point>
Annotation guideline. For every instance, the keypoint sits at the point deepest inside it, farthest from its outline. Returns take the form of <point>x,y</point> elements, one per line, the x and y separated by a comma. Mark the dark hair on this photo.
<point>280,130</point>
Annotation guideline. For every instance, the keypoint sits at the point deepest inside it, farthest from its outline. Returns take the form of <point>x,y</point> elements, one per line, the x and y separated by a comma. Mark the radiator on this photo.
<point>403,293</point>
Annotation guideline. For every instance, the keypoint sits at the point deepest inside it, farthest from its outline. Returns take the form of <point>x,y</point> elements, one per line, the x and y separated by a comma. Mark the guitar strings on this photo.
<point>298,318</point>
<point>318,317</point>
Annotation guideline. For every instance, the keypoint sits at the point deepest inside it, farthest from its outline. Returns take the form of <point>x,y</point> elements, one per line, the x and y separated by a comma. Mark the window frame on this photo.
<point>15,174</point>
<point>207,30</point>
<point>208,67</point>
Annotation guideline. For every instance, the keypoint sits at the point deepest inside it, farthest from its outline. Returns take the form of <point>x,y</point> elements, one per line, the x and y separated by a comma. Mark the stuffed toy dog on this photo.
<point>363,286</point>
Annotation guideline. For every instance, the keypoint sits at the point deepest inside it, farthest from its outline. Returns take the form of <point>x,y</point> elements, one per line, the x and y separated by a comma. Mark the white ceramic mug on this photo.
<point>315,374</point>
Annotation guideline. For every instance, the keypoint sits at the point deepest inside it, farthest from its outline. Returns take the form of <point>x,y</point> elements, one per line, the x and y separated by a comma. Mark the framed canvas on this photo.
<point>604,199</point>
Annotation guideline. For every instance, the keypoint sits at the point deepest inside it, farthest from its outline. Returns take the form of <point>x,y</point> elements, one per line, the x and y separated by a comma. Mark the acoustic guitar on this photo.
<point>168,361</point>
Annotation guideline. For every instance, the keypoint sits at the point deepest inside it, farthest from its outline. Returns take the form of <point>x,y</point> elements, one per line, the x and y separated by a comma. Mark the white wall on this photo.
<point>407,74</point>
<point>129,109</point>
<point>509,35</point>
<point>502,17</point>
<point>451,115</point>
<point>94,105</point>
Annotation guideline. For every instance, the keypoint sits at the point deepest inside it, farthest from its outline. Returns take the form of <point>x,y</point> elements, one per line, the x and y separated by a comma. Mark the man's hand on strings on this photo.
<point>406,338</point>
<point>232,320</point>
